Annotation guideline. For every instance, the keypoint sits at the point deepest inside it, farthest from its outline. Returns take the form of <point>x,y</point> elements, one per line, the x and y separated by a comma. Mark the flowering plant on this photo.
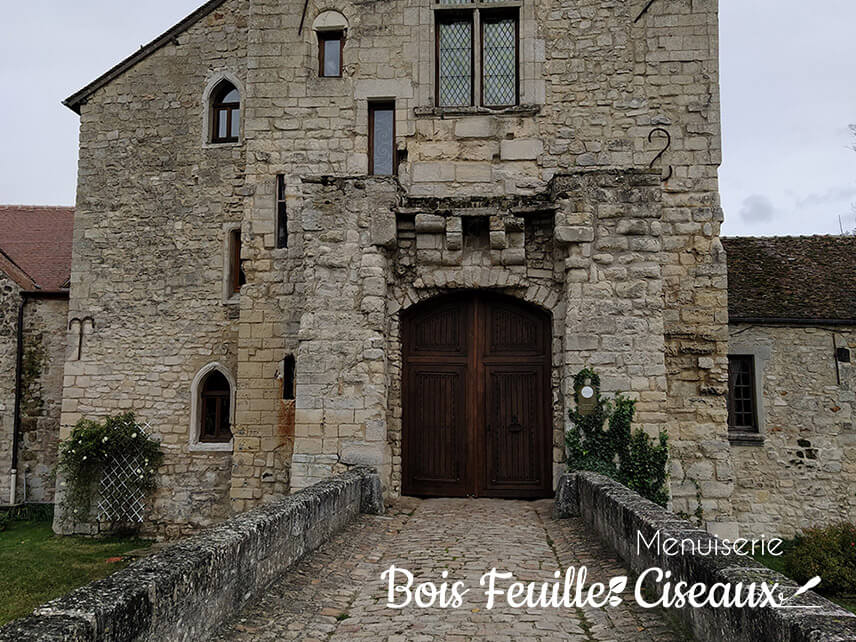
<point>94,445</point>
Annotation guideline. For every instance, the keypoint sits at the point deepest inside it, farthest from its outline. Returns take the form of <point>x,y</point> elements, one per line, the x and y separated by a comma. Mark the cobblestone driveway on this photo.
<point>337,593</point>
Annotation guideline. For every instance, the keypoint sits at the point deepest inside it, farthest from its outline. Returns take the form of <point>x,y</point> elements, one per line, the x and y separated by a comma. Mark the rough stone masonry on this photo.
<point>560,200</point>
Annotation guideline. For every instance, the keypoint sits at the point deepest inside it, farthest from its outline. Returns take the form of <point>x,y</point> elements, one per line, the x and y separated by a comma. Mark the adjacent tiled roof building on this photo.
<point>35,245</point>
<point>792,278</point>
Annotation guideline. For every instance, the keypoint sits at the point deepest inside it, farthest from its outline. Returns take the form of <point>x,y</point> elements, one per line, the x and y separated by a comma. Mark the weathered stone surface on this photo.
<point>799,471</point>
<point>337,593</point>
<point>43,357</point>
<point>574,234</point>
<point>150,253</point>
<point>187,590</point>
<point>616,514</point>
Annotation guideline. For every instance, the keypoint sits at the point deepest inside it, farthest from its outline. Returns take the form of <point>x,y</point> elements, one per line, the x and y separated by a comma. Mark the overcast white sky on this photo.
<point>788,96</point>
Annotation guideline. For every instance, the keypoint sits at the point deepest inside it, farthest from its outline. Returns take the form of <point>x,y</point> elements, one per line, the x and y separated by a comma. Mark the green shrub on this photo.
<point>93,445</point>
<point>829,553</point>
<point>617,451</point>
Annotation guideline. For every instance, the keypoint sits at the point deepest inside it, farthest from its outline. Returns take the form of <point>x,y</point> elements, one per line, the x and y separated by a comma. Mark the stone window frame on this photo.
<point>195,445</point>
<point>208,112</point>
<point>761,356</point>
<point>230,297</point>
<point>330,24</point>
<point>532,88</point>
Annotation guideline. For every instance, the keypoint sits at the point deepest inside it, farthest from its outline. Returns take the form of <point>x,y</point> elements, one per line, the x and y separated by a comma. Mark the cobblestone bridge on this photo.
<point>337,592</point>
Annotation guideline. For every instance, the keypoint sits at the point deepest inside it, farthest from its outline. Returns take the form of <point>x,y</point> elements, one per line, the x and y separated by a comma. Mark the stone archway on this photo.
<point>476,397</point>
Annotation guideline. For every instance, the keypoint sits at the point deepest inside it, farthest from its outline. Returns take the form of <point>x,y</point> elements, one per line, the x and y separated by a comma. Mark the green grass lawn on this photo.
<point>37,566</point>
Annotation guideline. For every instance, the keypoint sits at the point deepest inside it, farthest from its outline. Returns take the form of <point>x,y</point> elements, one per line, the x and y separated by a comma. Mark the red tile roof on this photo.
<point>35,245</point>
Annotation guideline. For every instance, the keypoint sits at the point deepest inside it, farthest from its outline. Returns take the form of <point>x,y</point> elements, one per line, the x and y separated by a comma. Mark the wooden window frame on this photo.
<point>454,15</point>
<point>219,109</point>
<point>222,400</point>
<point>732,427</point>
<point>323,37</point>
<point>492,15</point>
<point>281,210</point>
<point>379,105</point>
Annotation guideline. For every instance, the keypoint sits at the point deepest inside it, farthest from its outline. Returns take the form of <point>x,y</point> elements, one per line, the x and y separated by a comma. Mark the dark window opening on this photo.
<point>742,404</point>
<point>215,404</point>
<point>288,391</point>
<point>237,276</point>
<point>382,157</point>
<point>226,114</point>
<point>454,54</point>
<point>330,49</point>
<point>281,213</point>
<point>499,58</point>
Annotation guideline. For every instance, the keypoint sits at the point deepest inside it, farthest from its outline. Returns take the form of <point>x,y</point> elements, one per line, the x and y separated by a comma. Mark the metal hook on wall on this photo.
<point>81,322</point>
<point>665,131</point>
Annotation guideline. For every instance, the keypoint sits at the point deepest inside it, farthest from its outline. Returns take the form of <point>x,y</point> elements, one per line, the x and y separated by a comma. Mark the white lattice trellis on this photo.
<point>120,499</point>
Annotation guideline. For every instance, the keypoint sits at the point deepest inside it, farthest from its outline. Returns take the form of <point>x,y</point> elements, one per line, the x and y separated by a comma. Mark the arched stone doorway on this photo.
<point>476,398</point>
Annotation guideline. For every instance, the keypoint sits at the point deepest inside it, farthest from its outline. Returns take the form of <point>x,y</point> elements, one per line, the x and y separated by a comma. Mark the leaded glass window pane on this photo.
<point>455,63</point>
<point>455,2</point>
<point>499,63</point>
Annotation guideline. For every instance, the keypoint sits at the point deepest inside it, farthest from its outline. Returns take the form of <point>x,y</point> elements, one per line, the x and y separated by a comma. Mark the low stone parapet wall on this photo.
<point>185,591</point>
<point>616,514</point>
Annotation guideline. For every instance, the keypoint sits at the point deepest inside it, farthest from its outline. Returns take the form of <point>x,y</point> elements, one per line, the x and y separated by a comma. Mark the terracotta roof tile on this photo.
<point>808,278</point>
<point>37,240</point>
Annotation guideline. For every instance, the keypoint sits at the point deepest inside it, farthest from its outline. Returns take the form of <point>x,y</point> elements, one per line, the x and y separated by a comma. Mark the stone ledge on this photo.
<point>616,514</point>
<point>185,591</point>
<point>444,112</point>
<point>745,439</point>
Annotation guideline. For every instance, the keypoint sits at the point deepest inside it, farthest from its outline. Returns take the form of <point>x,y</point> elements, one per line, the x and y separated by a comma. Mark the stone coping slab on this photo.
<point>616,514</point>
<point>185,591</point>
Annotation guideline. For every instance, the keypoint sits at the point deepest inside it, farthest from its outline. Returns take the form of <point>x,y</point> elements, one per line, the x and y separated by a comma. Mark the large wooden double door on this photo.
<point>476,398</point>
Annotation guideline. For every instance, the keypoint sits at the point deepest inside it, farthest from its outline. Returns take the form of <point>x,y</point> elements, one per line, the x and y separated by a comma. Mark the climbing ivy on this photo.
<point>603,442</point>
<point>92,445</point>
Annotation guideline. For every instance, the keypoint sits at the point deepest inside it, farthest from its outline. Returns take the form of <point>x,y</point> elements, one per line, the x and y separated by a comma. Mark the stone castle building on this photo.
<point>391,232</point>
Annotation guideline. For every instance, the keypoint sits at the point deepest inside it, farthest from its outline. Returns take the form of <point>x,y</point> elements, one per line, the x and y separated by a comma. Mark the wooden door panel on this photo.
<point>436,441</point>
<point>476,398</point>
<point>442,331</point>
<point>511,330</point>
<point>514,445</point>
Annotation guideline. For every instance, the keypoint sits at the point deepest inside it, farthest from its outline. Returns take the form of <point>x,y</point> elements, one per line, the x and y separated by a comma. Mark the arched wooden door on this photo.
<point>476,397</point>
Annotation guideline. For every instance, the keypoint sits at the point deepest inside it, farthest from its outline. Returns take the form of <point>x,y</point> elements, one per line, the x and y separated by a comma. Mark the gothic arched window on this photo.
<point>215,413</point>
<point>225,113</point>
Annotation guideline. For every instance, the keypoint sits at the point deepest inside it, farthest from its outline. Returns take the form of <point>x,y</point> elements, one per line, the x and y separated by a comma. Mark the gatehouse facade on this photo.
<point>390,233</point>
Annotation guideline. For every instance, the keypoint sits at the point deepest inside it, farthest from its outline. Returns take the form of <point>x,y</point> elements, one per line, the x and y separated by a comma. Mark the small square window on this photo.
<point>330,45</point>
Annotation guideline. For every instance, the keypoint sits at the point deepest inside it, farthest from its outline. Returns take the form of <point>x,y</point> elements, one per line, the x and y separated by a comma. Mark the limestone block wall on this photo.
<point>44,357</point>
<point>153,207</point>
<point>803,474</point>
<point>10,300</point>
<point>599,89</point>
<point>341,406</point>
